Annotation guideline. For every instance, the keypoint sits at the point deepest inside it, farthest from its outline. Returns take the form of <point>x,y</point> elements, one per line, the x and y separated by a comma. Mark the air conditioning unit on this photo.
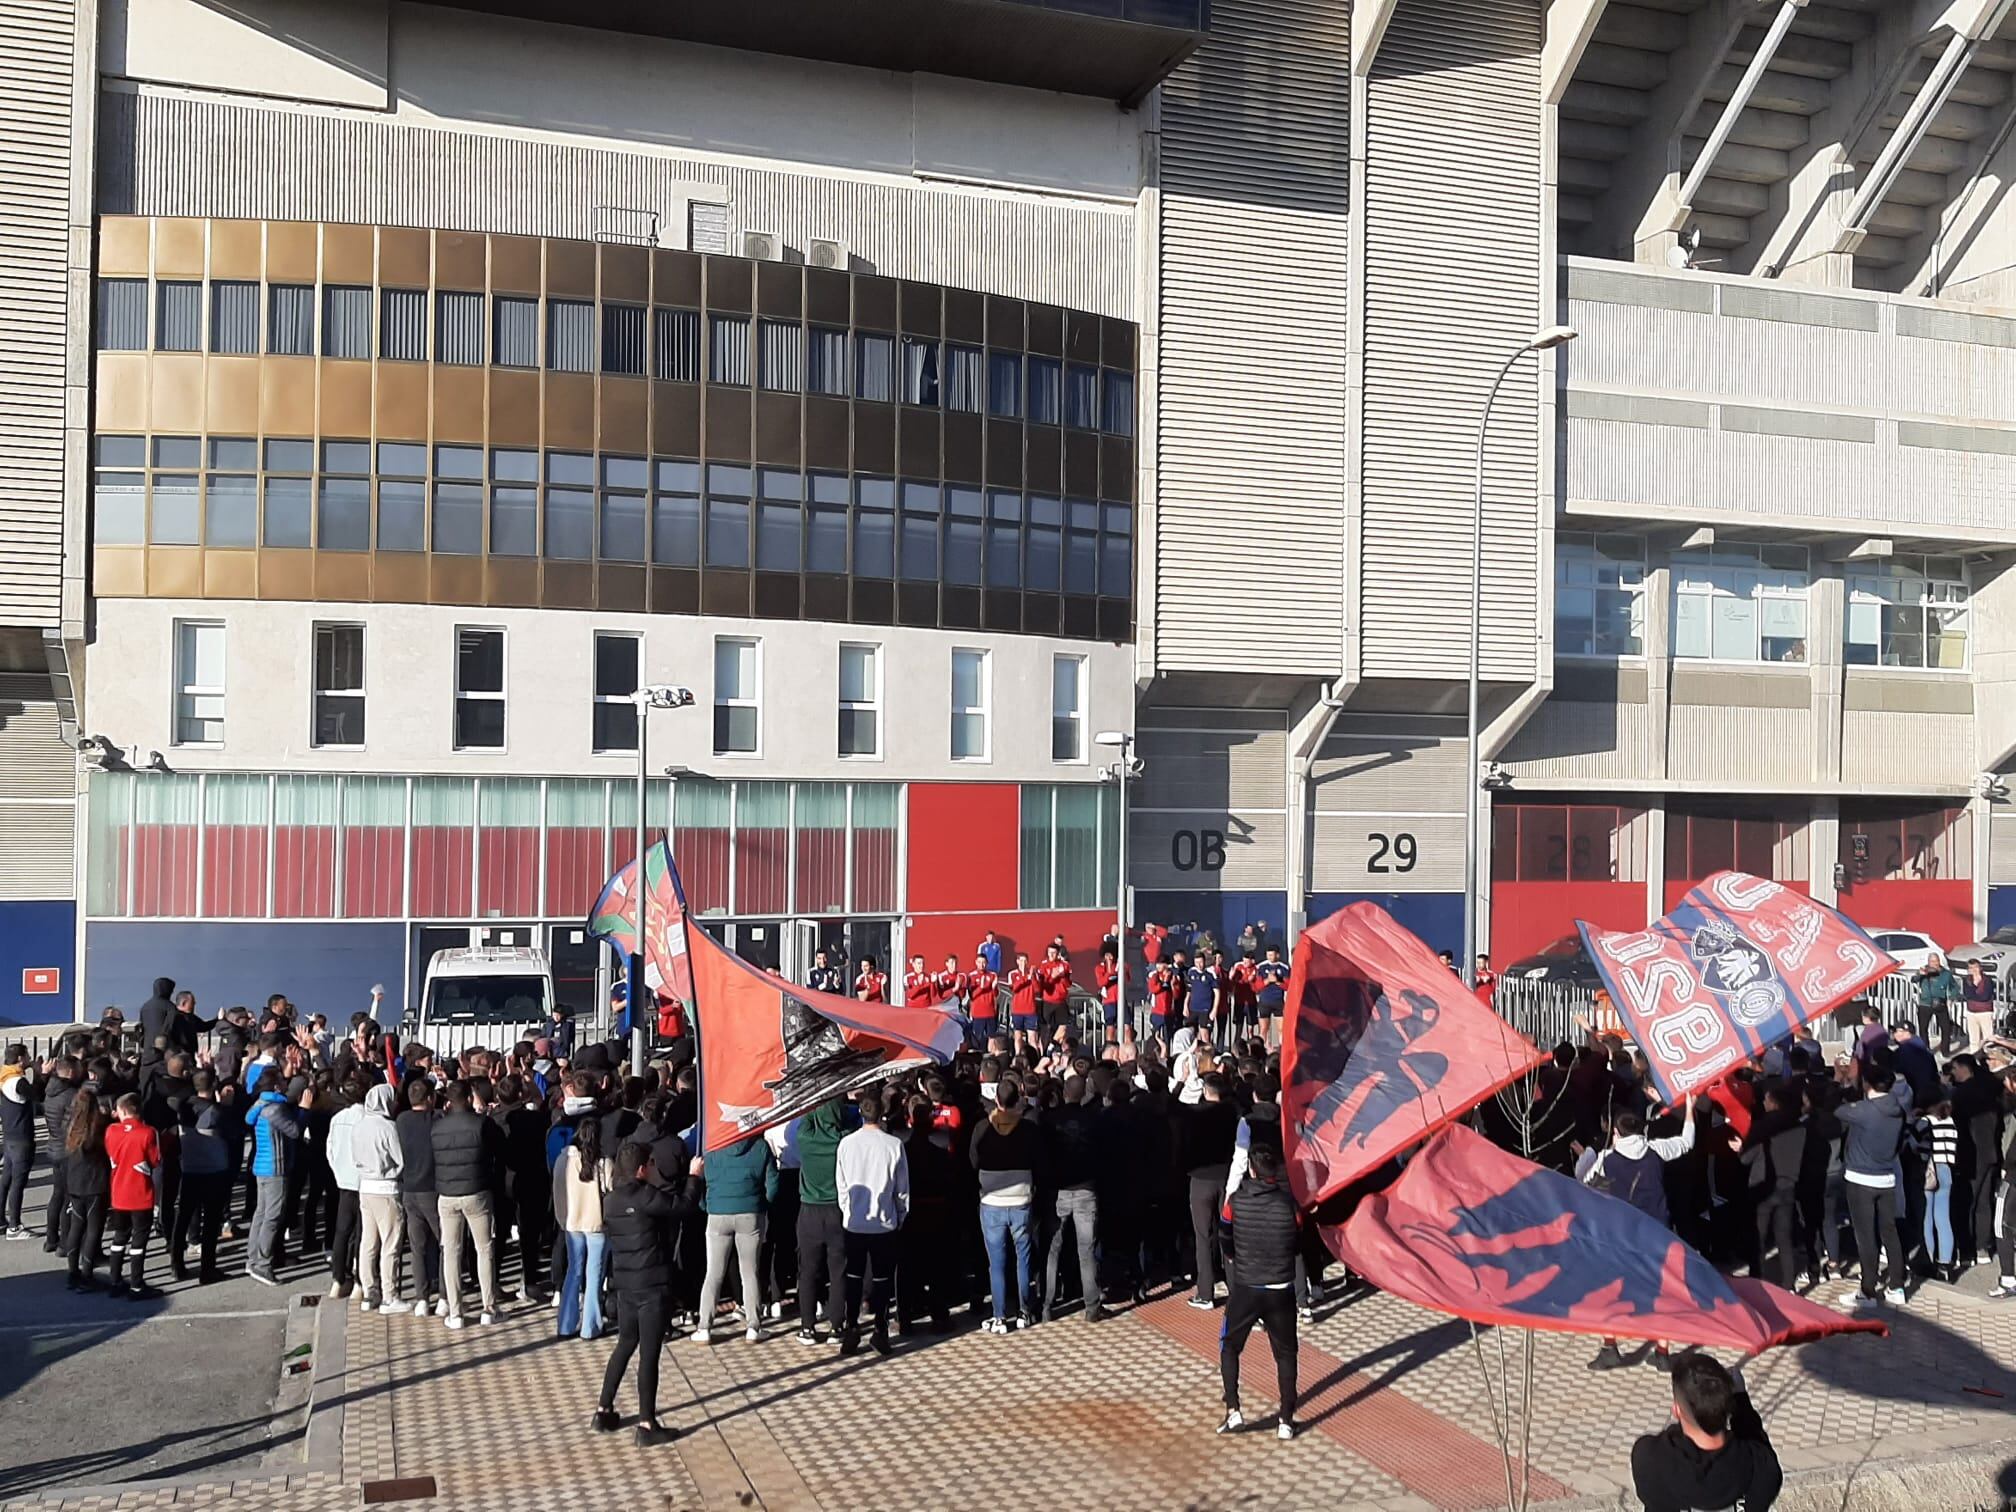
<point>821,253</point>
<point>763,246</point>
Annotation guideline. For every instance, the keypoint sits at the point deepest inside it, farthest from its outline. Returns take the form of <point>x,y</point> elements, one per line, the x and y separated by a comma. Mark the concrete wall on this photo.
<point>549,672</point>
<point>335,54</point>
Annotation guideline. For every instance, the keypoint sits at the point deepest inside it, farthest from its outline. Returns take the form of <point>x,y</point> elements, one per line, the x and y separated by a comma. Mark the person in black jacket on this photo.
<point>1714,1454</point>
<point>154,1016</point>
<point>418,1198</point>
<point>636,1218</point>
<point>1206,1135</point>
<point>1261,1242</point>
<point>17,1136</point>
<point>467,1162</point>
<point>1977,1111</point>
<point>1771,1159</point>
<point>1071,1134</point>
<point>57,1094</point>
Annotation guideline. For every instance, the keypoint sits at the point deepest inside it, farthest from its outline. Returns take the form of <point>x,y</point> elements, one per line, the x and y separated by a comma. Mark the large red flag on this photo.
<point>1382,1044</point>
<point>1739,965</point>
<point>1475,1231</point>
<point>667,972</point>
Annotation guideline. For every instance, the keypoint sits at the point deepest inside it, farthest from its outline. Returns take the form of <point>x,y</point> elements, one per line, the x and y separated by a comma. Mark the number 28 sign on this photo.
<point>1739,965</point>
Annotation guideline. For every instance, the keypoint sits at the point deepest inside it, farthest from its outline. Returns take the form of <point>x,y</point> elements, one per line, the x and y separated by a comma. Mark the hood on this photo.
<point>577,1107</point>
<point>380,1099</point>
<point>1005,1119</point>
<point>1181,1042</point>
<point>163,986</point>
<point>825,1118</point>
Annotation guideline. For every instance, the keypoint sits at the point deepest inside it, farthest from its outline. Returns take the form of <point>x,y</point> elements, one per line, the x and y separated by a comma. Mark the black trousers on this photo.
<point>641,1319</point>
<point>343,1238</point>
<point>16,1158</point>
<point>2005,1245</point>
<point>822,1245</point>
<point>1980,1210</point>
<point>1873,1211</point>
<point>1776,1213</point>
<point>924,1275</point>
<point>871,1270</point>
<point>126,1235</point>
<point>1207,1196</point>
<point>423,1243</point>
<point>52,1220</point>
<point>534,1200</point>
<point>84,1231</point>
<point>1273,1308</point>
<point>777,1257</point>
<point>204,1199</point>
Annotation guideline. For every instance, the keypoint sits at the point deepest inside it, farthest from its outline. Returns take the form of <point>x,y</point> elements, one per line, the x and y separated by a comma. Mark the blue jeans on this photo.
<point>999,1226</point>
<point>1939,1219</point>
<point>581,1291</point>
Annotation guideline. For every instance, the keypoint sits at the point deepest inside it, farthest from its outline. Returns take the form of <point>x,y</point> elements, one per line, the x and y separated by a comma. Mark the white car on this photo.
<point>1912,947</point>
<point>1994,953</point>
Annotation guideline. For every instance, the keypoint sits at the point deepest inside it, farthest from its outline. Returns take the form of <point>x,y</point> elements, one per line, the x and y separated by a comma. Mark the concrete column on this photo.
<point>1824,836</point>
<point>1826,602</point>
<point>1658,651</point>
<point>1655,857</point>
<point>1983,816</point>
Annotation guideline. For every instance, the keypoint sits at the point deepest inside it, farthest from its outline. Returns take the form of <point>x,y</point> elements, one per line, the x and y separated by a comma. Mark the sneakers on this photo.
<point>439,1305</point>
<point>1202,1304</point>
<point>1862,1302</point>
<point>702,1336</point>
<point>486,1319</point>
<point>1306,1314</point>
<point>774,1312</point>
<point>338,1291</point>
<point>16,1232</point>
<point>1233,1421</point>
<point>453,1320</point>
<point>263,1277</point>
<point>809,1338</point>
<point>1894,1296</point>
<point>1607,1358</point>
<point>752,1335</point>
<point>1801,1281</point>
<point>1025,1321</point>
<point>365,1304</point>
<point>995,1326</point>
<point>879,1342</point>
<point>2003,1290</point>
<point>605,1420</point>
<point>1285,1430</point>
<point>395,1306</point>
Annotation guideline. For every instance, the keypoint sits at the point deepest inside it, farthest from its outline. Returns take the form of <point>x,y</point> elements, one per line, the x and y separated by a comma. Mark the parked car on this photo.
<point>1912,947</point>
<point>1563,961</point>
<point>1993,953</point>
<point>502,991</point>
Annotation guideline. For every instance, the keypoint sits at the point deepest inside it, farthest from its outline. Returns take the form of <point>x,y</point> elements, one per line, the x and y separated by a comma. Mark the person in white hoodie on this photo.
<point>871,1172</point>
<point>343,1233</point>
<point>379,1159</point>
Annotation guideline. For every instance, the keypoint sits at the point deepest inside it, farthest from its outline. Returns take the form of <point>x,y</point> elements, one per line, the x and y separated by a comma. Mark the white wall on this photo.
<point>549,671</point>
<point>337,54</point>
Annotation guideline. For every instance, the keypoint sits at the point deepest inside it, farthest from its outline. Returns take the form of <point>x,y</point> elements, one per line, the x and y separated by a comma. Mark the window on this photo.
<point>963,530</point>
<point>728,349</point>
<point>458,500</point>
<point>970,692</point>
<point>234,317</point>
<point>623,483</point>
<point>514,503</point>
<point>727,516</point>
<point>917,555</point>
<point>874,527</point>
<point>1575,842</point>
<point>122,315</point>
<point>616,664</point>
<point>826,361</point>
<point>178,317</point>
<point>339,686</point>
<point>1070,852</point>
<point>675,509</point>
<point>479,689</point>
<point>402,496</point>
<point>346,322</point>
<point>199,682</point>
<point>623,339</point>
<point>174,519</point>
<point>458,329</point>
<point>826,525</point>
<point>1599,595</point>
<point>920,371</point>
<point>515,332</point>
<point>737,696</point>
<point>860,700</point>
<point>231,498</point>
<point>119,490</point>
<point>964,374</point>
<point>402,325</point>
<point>1004,385</point>
<point>780,355</point>
<point>290,320</point>
<point>1116,400</point>
<point>676,337</point>
<point>343,520</point>
<point>570,506</point>
<point>1740,602</point>
<point>290,507</point>
<point>1067,708</point>
<point>570,336</point>
<point>1046,546</point>
<point>874,367</point>
<point>1081,397</point>
<point>1046,377</point>
<point>780,519</point>
<point>1908,611</point>
<point>1081,547</point>
<point>1116,554</point>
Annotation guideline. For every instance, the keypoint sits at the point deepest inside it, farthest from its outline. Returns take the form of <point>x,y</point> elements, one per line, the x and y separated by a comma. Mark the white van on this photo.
<point>491,995</point>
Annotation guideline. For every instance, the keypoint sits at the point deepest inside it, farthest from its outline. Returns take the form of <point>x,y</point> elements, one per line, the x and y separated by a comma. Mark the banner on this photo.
<point>1739,965</point>
<point>1475,1231</point>
<point>667,971</point>
<point>1381,1045</point>
<point>770,1050</point>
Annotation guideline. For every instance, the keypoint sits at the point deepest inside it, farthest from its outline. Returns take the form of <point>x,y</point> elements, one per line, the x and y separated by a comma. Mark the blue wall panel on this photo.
<point>2001,906</point>
<point>1224,914</point>
<point>323,968</point>
<point>34,937</point>
<point>1436,917</point>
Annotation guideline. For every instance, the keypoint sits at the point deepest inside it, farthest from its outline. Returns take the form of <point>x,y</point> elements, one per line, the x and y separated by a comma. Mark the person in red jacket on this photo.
<point>1165,989</point>
<point>135,1152</point>
<point>1053,982</point>
<point>949,985</point>
<point>1022,1001</point>
<point>871,986</point>
<point>1487,981</point>
<point>983,1002</point>
<point>1152,937</point>
<point>918,984</point>
<point>1242,984</point>
<point>1109,977</point>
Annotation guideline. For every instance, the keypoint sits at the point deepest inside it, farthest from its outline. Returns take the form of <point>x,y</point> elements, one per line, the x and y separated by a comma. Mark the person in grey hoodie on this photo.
<point>1875,1131</point>
<point>379,1159</point>
<point>343,1171</point>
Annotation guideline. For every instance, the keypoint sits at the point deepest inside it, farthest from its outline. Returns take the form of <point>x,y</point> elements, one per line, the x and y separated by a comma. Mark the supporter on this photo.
<point>582,1181</point>
<point>1874,1134</point>
<point>1632,1168</point>
<point>133,1152</point>
<point>378,1159</point>
<point>343,1177</point>
<point>17,1136</point>
<point>741,1184</point>
<point>872,1178</point>
<point>210,1144</point>
<point>466,1154</point>
<point>635,1217</point>
<point>822,1244</point>
<point>276,1136</point>
<point>1937,1141</point>
<point>1715,1453</point>
<point>1004,1150</point>
<point>87,1184</point>
<point>1261,1243</point>
<point>418,1199</point>
<point>1207,1133</point>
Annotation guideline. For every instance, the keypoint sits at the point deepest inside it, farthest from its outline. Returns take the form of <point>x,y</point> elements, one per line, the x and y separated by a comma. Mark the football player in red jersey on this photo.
<point>1022,1001</point>
<point>983,1002</point>
<point>871,986</point>
<point>918,985</point>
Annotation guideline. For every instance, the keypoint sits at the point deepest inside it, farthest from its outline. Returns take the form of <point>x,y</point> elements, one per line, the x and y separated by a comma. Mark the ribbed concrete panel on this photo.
<point>37,45</point>
<point>1707,743</point>
<point>1384,765</point>
<point>34,762</point>
<point>1883,747</point>
<point>177,155</point>
<point>1251,482</point>
<point>35,839</point>
<point>1452,280</point>
<point>1576,738</point>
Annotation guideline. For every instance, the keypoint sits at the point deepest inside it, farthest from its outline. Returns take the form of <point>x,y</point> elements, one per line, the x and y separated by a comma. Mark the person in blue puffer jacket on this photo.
<point>276,1128</point>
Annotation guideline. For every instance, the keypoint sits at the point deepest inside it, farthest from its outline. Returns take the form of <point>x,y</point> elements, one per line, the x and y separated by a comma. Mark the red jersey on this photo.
<point>135,1152</point>
<point>1053,980</point>
<point>983,988</point>
<point>1151,944</point>
<point>872,986</point>
<point>1244,984</point>
<point>947,985</point>
<point>947,1123</point>
<point>918,987</point>
<point>1022,993</point>
<point>1109,980</point>
<point>1163,985</point>
<point>1487,987</point>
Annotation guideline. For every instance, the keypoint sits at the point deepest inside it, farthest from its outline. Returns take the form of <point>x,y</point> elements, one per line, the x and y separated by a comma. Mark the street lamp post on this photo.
<point>1540,341</point>
<point>657,696</point>
<point>1120,771</point>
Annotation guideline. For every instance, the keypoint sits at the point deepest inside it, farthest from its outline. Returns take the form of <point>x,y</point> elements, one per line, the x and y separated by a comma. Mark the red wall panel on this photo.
<point>762,871</point>
<point>875,871</point>
<point>574,870</point>
<point>702,858</point>
<point>304,871</point>
<point>965,845</point>
<point>442,868</point>
<point>374,871</point>
<point>510,880</point>
<point>1528,915</point>
<point>234,870</point>
<point>1944,910</point>
<point>164,870</point>
<point>937,935</point>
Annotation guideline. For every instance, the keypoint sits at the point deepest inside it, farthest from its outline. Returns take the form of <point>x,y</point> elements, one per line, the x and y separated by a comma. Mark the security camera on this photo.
<point>1989,785</point>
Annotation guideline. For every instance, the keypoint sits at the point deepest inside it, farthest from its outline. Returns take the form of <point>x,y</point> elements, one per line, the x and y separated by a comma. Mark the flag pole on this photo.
<point>638,1045</point>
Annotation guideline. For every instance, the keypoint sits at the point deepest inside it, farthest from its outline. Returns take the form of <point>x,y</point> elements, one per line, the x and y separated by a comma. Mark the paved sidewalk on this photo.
<point>1117,1415</point>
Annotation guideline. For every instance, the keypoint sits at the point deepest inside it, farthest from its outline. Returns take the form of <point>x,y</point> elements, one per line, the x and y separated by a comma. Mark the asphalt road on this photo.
<point>95,1391</point>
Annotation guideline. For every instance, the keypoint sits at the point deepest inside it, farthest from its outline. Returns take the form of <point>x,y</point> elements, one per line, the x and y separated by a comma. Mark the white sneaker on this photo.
<point>1233,1422</point>
<point>440,1307</point>
<point>555,1303</point>
<point>395,1306</point>
<point>753,1335</point>
<point>1284,1430</point>
<point>702,1336</point>
<point>1894,1296</point>
<point>774,1312</point>
<point>486,1319</point>
<point>365,1304</point>
<point>453,1320</point>
<point>336,1292</point>
<point>1801,1281</point>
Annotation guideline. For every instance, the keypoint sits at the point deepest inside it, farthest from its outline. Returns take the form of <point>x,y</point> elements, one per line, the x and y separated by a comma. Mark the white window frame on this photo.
<point>985,708</point>
<point>360,692</point>
<point>1760,594</point>
<point>1634,593</point>
<point>755,644</point>
<point>873,704</point>
<point>1076,714</point>
<point>596,698</point>
<point>1864,587</point>
<point>184,691</point>
<point>456,694</point>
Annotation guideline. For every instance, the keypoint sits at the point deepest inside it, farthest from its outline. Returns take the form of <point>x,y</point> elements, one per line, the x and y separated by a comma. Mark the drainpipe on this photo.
<point>1312,730</point>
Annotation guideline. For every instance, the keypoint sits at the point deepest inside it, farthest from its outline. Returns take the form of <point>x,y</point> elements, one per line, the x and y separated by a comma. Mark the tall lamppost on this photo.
<point>1126,765</point>
<point>656,696</point>
<point>1541,341</point>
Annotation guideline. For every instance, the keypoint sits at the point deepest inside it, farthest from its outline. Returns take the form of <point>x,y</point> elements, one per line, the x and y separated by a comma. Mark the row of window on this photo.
<point>624,340</point>
<point>338,695</point>
<point>572,506</point>
<point>1745,602</point>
